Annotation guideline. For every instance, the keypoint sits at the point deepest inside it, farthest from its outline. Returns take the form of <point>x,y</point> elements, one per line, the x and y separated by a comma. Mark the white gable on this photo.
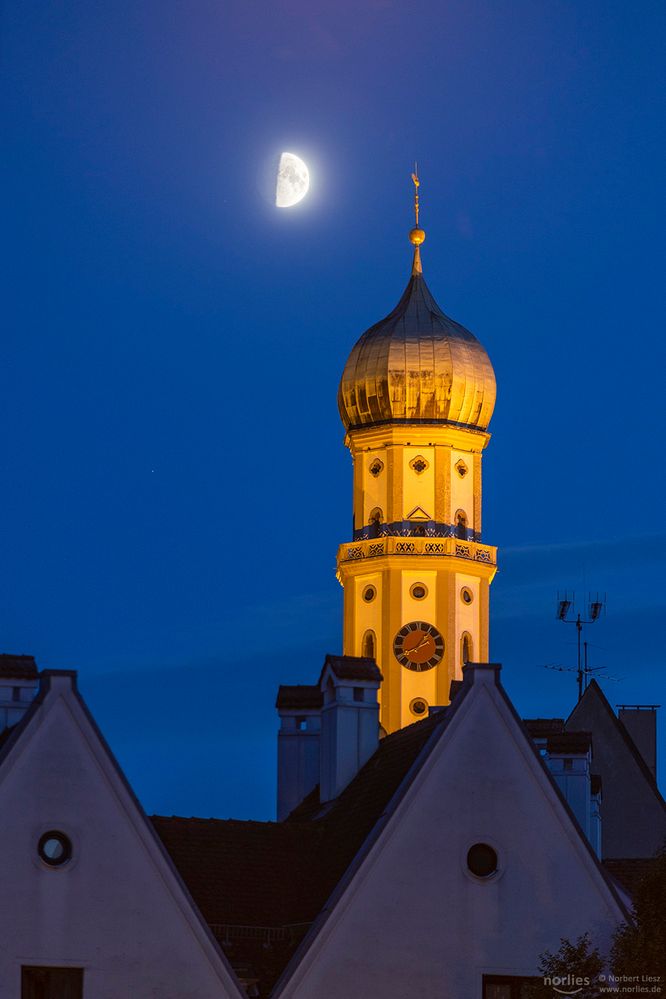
<point>117,909</point>
<point>412,921</point>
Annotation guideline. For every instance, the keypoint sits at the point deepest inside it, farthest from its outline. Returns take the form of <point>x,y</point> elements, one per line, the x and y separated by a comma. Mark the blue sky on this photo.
<point>173,476</point>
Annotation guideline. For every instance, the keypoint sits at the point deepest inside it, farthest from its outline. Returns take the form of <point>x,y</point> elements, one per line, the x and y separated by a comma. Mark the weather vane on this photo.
<point>415,178</point>
<point>416,235</point>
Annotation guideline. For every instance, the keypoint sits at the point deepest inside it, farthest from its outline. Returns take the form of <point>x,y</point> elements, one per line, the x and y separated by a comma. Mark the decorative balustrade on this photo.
<point>448,547</point>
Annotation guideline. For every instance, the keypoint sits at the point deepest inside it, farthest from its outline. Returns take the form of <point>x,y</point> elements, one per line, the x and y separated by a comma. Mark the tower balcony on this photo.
<point>456,548</point>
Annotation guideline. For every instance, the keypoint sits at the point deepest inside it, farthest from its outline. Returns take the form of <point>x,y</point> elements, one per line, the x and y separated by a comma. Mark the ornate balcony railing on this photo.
<point>447,547</point>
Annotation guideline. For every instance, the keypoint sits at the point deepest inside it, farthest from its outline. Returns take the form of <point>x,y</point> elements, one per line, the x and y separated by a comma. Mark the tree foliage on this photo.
<point>639,948</point>
<point>578,960</point>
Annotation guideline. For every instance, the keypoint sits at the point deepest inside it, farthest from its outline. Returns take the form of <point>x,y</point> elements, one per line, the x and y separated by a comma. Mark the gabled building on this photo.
<point>625,757</point>
<point>93,905</point>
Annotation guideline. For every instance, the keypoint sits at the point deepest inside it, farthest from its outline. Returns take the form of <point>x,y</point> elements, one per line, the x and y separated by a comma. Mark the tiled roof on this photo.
<point>353,668</point>
<point>304,696</point>
<point>570,742</point>
<point>541,728</point>
<point>17,667</point>
<point>630,872</point>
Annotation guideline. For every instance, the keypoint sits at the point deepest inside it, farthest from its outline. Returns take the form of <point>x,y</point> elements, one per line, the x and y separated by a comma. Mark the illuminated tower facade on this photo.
<point>416,397</point>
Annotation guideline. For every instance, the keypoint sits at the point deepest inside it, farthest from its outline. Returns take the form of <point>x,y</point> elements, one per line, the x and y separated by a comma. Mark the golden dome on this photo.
<point>417,366</point>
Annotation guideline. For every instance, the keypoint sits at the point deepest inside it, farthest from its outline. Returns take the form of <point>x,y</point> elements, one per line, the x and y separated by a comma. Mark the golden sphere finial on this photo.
<point>416,236</point>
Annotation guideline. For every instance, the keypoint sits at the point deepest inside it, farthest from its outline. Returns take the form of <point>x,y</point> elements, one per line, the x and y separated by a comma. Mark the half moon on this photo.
<point>293,181</point>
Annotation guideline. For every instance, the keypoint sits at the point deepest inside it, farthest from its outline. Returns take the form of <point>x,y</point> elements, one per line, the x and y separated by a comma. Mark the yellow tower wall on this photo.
<point>403,551</point>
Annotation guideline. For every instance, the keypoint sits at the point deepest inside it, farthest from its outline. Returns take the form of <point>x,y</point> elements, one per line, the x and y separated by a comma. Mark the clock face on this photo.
<point>418,646</point>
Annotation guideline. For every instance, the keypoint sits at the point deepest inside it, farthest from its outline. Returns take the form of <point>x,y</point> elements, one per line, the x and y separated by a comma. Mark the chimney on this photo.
<point>640,721</point>
<point>299,709</point>
<point>349,720</point>
<point>19,682</point>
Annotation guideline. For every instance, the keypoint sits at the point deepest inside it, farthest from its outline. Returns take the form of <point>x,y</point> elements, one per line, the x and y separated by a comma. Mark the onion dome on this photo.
<point>417,366</point>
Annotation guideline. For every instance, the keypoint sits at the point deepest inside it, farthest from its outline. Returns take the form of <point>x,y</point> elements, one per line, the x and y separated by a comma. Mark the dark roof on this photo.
<point>245,873</point>
<point>630,872</point>
<point>541,728</point>
<point>18,667</point>
<point>353,668</point>
<point>569,742</point>
<point>306,696</point>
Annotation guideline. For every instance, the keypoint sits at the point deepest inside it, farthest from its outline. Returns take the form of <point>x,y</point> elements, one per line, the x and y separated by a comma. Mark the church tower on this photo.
<point>416,397</point>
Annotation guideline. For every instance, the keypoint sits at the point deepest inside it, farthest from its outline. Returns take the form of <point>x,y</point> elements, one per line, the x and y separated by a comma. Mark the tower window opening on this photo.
<point>461,525</point>
<point>301,724</point>
<point>358,693</point>
<point>466,595</point>
<point>369,645</point>
<point>375,519</point>
<point>466,648</point>
<point>376,467</point>
<point>369,593</point>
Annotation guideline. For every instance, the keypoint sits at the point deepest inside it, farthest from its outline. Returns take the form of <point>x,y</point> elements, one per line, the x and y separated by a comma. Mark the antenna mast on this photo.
<point>566,609</point>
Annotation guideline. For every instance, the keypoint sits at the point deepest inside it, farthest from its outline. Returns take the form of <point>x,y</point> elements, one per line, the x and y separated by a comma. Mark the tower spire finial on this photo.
<point>415,178</point>
<point>416,235</point>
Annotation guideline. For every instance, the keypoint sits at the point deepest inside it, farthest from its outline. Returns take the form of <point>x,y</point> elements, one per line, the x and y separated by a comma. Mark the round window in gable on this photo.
<point>419,591</point>
<point>482,860</point>
<point>369,594</point>
<point>466,595</point>
<point>54,848</point>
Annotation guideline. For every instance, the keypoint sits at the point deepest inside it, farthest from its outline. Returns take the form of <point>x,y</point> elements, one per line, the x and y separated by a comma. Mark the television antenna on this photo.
<point>588,671</point>
<point>569,614</point>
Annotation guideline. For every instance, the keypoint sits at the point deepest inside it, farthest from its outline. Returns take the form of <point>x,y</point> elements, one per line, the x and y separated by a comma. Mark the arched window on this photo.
<point>461,524</point>
<point>466,648</point>
<point>369,646</point>
<point>375,519</point>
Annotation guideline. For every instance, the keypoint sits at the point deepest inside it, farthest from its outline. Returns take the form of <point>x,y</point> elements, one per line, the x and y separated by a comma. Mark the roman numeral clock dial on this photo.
<point>418,646</point>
